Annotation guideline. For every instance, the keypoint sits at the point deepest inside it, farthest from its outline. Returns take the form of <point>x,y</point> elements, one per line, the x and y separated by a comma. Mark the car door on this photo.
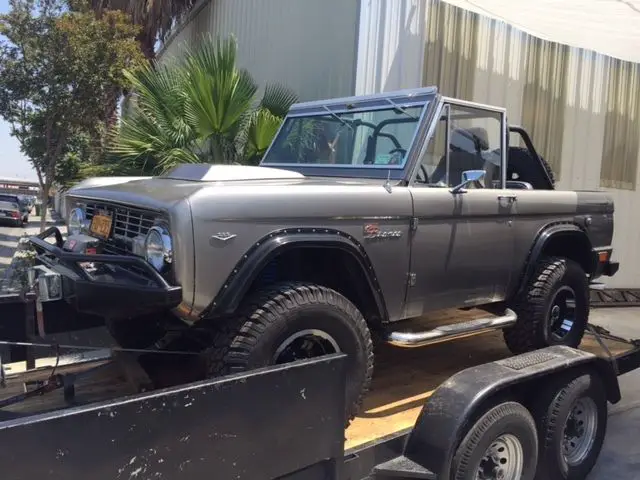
<point>462,249</point>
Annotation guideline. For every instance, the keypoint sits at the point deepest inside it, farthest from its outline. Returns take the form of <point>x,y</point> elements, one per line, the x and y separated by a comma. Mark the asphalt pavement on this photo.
<point>620,458</point>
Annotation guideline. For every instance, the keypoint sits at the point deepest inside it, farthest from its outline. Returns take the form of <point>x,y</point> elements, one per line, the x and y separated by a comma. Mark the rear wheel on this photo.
<point>501,445</point>
<point>571,416</point>
<point>294,321</point>
<point>553,308</point>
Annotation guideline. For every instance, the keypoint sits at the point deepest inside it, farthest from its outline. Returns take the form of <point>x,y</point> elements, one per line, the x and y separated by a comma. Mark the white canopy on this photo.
<point>611,27</point>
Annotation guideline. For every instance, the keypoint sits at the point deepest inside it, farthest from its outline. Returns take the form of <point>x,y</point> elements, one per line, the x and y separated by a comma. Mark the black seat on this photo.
<point>462,157</point>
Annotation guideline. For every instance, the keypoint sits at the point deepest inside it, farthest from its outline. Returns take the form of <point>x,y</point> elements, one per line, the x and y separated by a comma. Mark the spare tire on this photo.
<point>521,163</point>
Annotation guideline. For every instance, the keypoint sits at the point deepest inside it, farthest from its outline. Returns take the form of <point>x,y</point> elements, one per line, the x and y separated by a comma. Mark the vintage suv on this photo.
<point>364,212</point>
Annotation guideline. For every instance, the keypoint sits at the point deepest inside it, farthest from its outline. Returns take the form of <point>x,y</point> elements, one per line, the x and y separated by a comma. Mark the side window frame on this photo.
<point>445,109</point>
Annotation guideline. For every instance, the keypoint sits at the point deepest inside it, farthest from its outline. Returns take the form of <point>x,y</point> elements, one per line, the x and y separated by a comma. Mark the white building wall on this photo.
<point>308,45</point>
<point>390,45</point>
<point>562,101</point>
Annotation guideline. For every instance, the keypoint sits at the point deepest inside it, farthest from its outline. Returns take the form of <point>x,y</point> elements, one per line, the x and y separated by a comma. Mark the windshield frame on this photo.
<point>426,98</point>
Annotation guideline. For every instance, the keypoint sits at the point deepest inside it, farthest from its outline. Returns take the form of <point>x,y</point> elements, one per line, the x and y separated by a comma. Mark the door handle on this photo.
<point>512,197</point>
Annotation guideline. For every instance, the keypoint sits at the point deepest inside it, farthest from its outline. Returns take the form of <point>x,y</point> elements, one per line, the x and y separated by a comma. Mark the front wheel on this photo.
<point>294,321</point>
<point>553,308</point>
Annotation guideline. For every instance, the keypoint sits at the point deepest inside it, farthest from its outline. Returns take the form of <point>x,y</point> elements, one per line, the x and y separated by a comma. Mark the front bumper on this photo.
<point>110,289</point>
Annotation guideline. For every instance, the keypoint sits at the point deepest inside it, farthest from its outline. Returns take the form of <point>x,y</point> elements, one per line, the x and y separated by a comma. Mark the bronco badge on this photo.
<point>372,230</point>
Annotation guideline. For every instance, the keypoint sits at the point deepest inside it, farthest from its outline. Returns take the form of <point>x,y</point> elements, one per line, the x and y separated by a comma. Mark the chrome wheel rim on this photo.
<point>305,344</point>
<point>503,460</point>
<point>562,313</point>
<point>579,431</point>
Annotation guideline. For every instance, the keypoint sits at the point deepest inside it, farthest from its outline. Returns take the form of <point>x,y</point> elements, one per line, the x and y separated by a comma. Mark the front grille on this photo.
<point>128,223</point>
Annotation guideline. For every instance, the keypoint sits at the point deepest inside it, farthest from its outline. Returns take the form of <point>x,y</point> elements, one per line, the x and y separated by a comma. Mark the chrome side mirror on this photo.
<point>468,176</point>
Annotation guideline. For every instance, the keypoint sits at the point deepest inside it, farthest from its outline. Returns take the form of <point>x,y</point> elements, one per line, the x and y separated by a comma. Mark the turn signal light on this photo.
<point>603,257</point>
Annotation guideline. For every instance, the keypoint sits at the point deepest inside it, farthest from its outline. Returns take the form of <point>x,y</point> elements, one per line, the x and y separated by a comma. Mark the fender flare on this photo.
<point>458,403</point>
<point>269,247</point>
<point>542,239</point>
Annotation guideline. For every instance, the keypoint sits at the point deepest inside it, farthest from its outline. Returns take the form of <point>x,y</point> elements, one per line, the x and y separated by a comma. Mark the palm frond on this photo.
<point>278,99</point>
<point>263,127</point>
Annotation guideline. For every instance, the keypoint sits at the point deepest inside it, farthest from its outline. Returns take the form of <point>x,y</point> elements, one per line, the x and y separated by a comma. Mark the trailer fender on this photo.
<point>464,397</point>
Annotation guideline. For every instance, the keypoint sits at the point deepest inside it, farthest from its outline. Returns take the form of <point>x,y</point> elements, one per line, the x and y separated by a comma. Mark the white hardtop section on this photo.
<point>104,181</point>
<point>611,27</point>
<point>203,172</point>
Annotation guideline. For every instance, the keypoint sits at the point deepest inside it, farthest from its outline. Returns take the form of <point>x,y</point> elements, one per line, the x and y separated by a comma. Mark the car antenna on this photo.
<point>387,184</point>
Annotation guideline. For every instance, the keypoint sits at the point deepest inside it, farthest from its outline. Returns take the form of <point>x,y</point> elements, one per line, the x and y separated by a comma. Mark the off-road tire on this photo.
<point>551,409</point>
<point>268,317</point>
<point>531,331</point>
<point>509,418</point>
<point>522,162</point>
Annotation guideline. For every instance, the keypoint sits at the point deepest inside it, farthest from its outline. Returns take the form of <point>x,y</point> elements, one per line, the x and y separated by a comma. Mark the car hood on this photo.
<point>162,192</point>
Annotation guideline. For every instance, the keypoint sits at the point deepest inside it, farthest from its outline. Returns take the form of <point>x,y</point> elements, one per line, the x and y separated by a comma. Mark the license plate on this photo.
<point>101,225</point>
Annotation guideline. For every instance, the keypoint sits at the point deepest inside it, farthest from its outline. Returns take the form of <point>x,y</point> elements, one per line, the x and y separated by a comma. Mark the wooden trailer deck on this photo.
<point>403,380</point>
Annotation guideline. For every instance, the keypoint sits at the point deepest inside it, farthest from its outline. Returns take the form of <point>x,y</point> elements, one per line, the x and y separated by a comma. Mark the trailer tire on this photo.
<point>273,320</point>
<point>503,438</point>
<point>577,402</point>
<point>543,305</point>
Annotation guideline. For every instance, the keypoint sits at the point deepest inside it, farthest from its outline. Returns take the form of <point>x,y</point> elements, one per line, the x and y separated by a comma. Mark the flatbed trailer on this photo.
<point>277,422</point>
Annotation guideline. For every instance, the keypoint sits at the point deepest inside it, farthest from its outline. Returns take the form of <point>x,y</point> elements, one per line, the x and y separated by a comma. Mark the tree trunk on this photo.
<point>45,202</point>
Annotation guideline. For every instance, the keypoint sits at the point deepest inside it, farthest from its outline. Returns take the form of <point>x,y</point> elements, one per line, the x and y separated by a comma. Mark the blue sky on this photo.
<point>12,162</point>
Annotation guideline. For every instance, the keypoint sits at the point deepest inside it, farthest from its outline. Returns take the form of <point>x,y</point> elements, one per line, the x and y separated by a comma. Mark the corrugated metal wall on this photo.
<point>309,45</point>
<point>582,108</point>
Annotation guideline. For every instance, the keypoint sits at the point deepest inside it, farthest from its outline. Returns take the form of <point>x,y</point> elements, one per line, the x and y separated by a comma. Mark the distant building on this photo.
<point>538,59</point>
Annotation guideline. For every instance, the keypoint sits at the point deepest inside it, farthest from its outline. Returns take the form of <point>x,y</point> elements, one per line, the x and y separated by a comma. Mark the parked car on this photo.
<point>365,214</point>
<point>13,210</point>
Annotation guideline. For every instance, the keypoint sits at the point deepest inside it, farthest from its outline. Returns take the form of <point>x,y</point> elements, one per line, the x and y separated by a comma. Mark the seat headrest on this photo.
<point>481,135</point>
<point>462,140</point>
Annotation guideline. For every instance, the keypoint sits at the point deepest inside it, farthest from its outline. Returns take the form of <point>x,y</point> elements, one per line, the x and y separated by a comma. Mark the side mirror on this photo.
<point>468,176</point>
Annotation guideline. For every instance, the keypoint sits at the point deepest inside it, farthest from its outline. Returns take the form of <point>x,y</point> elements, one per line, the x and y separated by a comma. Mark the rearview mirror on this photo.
<point>468,176</point>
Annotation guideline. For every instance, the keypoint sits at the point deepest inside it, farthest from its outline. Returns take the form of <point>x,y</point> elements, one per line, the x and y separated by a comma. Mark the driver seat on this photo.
<point>462,157</point>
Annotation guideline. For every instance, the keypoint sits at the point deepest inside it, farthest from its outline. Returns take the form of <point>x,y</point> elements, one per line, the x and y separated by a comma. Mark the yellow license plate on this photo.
<point>101,225</point>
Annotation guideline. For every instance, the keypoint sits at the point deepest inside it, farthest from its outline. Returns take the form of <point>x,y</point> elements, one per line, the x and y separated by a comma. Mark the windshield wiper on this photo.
<point>341,120</point>
<point>401,109</point>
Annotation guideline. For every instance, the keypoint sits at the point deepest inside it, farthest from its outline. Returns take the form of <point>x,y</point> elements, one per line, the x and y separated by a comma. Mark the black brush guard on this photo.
<point>112,292</point>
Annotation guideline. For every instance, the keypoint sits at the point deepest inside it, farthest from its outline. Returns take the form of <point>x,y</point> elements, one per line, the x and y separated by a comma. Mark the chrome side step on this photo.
<point>452,331</point>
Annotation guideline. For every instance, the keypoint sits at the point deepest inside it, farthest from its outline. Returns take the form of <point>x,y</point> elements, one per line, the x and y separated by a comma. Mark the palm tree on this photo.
<point>199,108</point>
<point>156,18</point>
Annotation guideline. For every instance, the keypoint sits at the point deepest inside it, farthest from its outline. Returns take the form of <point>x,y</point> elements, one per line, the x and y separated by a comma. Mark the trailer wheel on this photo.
<point>571,415</point>
<point>293,321</point>
<point>501,445</point>
<point>553,308</point>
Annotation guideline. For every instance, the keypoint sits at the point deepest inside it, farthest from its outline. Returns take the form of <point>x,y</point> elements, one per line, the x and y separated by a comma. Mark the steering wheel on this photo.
<point>422,171</point>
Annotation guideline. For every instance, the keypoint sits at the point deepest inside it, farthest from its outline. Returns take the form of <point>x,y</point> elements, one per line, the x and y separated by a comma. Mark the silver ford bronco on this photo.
<point>364,212</point>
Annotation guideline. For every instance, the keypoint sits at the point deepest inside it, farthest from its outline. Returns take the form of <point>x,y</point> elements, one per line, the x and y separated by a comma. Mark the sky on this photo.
<point>12,162</point>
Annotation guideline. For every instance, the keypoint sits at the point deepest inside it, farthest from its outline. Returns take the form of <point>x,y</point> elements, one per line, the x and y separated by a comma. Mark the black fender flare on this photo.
<point>542,239</point>
<point>457,404</point>
<point>269,247</point>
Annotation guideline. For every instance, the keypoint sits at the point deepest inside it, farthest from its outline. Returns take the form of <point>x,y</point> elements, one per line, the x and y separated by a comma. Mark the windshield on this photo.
<point>9,198</point>
<point>367,139</point>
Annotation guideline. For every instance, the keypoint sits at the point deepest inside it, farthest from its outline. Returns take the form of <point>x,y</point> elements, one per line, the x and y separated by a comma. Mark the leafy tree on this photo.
<point>57,70</point>
<point>199,108</point>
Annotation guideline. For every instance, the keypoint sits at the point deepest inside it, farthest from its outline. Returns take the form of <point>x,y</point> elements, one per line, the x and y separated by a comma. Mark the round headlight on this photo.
<point>76,221</point>
<point>158,249</point>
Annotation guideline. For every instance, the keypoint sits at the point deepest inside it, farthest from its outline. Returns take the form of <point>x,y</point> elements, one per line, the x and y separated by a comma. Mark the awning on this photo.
<point>611,27</point>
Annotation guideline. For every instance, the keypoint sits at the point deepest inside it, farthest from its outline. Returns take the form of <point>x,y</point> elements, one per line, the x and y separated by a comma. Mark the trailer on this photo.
<point>99,416</point>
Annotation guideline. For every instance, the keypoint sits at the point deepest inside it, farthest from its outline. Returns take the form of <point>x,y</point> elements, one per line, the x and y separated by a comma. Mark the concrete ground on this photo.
<point>620,457</point>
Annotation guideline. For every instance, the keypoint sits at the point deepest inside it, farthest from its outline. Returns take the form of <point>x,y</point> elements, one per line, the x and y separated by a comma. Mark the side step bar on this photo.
<point>452,331</point>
